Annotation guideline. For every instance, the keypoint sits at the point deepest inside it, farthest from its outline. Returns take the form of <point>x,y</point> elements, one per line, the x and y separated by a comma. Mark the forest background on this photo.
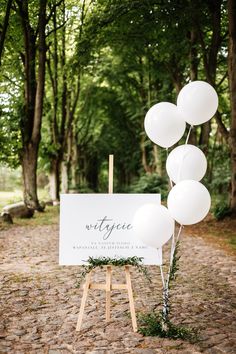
<point>77,78</point>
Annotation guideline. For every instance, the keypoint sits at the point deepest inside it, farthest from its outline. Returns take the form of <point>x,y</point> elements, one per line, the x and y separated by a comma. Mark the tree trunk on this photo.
<point>193,56</point>
<point>157,160</point>
<point>29,167</point>
<point>74,163</point>
<point>205,136</point>
<point>145,165</point>
<point>232,84</point>
<point>210,59</point>
<point>92,172</point>
<point>34,94</point>
<point>64,177</point>
<point>55,160</point>
<point>175,73</point>
<point>194,61</point>
<point>54,180</point>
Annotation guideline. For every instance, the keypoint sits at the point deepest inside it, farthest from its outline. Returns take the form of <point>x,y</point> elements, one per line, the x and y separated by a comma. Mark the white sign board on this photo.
<point>100,225</point>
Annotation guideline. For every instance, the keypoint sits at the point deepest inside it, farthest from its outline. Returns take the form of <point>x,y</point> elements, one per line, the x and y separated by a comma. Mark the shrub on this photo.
<point>150,183</point>
<point>151,324</point>
<point>221,210</point>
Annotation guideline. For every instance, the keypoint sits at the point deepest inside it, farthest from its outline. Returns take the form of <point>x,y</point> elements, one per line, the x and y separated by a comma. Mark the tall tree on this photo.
<point>57,126</point>
<point>63,99</point>
<point>34,50</point>
<point>232,85</point>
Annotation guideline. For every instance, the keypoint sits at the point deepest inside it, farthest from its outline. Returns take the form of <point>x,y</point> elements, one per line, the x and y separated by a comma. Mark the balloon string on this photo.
<point>180,229</point>
<point>162,277</point>
<point>173,247</point>
<point>191,127</point>
<point>167,153</point>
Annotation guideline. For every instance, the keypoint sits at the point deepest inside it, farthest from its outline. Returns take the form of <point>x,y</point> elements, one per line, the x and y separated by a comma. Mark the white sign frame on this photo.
<point>97,225</point>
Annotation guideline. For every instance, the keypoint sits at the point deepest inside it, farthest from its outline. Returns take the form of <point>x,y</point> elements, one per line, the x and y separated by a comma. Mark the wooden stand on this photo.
<point>108,286</point>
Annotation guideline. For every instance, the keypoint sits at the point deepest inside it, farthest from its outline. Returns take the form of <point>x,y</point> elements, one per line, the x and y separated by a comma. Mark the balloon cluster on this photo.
<point>188,201</point>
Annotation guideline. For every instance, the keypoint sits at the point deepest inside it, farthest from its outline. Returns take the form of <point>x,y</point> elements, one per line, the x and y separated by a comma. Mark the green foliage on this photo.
<point>151,324</point>
<point>171,277</point>
<point>10,180</point>
<point>159,324</point>
<point>50,216</point>
<point>10,141</point>
<point>128,55</point>
<point>117,262</point>
<point>150,183</point>
<point>219,173</point>
<point>175,264</point>
<point>221,210</point>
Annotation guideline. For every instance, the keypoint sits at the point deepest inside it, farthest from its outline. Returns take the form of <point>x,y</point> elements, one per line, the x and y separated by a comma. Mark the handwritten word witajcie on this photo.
<point>107,226</point>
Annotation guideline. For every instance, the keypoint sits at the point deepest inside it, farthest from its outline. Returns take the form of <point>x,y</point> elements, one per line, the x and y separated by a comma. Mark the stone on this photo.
<point>145,351</point>
<point>12,337</point>
<point>40,303</point>
<point>3,334</point>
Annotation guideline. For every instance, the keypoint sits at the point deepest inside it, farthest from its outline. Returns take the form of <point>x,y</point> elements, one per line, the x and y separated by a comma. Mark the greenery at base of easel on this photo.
<point>151,324</point>
<point>100,262</point>
<point>159,324</point>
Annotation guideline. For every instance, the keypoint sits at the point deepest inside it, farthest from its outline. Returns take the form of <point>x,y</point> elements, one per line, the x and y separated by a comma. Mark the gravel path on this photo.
<point>40,303</point>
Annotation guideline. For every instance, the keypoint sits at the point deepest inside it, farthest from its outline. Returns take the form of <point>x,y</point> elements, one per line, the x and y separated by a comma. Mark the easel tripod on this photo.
<point>108,286</point>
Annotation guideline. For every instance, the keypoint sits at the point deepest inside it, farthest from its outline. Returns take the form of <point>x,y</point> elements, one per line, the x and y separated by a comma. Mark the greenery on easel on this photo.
<point>100,262</point>
<point>159,324</point>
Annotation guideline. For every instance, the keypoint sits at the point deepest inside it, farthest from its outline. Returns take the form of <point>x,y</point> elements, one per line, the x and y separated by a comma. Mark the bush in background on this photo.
<point>150,183</point>
<point>221,210</point>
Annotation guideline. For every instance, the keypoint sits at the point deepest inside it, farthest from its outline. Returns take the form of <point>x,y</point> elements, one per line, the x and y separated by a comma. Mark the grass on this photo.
<point>48,217</point>
<point>10,197</point>
<point>16,195</point>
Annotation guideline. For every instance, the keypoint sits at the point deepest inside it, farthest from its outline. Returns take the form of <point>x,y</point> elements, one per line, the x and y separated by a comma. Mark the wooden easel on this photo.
<point>108,286</point>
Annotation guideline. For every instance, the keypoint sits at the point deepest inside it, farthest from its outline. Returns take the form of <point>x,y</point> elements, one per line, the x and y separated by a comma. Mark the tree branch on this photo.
<point>222,79</point>
<point>223,130</point>
<point>55,29</point>
<point>52,10</point>
<point>4,29</point>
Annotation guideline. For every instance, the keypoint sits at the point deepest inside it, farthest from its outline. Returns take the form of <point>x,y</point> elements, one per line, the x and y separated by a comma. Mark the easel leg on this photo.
<point>83,301</point>
<point>108,294</point>
<point>131,299</point>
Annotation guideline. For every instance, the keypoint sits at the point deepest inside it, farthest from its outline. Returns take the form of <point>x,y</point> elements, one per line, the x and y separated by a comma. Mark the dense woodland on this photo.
<point>77,78</point>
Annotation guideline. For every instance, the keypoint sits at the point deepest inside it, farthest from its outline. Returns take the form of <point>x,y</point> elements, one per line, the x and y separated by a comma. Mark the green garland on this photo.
<point>175,264</point>
<point>159,324</point>
<point>117,262</point>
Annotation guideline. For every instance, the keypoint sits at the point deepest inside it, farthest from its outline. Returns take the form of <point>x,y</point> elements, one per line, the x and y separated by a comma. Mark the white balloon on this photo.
<point>164,125</point>
<point>189,202</point>
<point>153,225</point>
<point>186,162</point>
<point>197,102</point>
